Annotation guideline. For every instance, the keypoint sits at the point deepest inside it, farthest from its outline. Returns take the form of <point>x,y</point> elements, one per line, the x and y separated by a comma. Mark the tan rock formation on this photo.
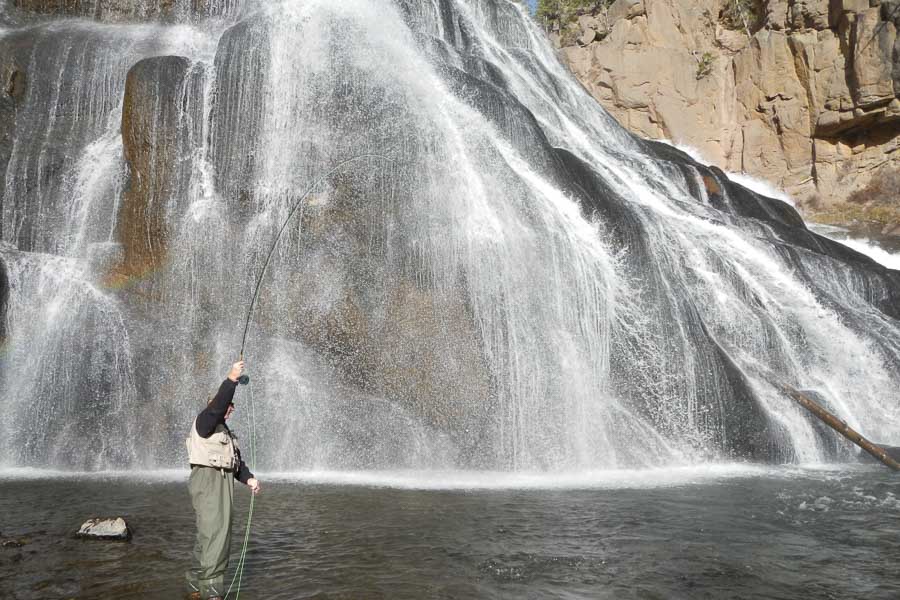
<point>809,102</point>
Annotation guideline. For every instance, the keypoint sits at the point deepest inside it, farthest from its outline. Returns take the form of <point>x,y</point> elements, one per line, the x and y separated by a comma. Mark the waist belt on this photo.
<point>223,469</point>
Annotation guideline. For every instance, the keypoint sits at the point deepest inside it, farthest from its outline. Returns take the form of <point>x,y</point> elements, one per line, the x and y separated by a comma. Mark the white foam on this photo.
<point>493,480</point>
<point>436,480</point>
<point>761,186</point>
<point>891,260</point>
<point>38,474</point>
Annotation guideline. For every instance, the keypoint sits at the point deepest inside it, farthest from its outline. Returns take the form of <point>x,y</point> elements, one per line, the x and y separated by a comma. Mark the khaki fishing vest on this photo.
<point>218,450</point>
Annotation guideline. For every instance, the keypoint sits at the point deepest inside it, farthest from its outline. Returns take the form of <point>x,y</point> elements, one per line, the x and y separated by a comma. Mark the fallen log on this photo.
<point>841,427</point>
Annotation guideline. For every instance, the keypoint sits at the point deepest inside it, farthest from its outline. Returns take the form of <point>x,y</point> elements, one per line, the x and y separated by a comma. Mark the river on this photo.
<point>717,531</point>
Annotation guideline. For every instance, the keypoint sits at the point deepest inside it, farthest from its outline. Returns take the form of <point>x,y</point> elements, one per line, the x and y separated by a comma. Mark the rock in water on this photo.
<point>105,529</point>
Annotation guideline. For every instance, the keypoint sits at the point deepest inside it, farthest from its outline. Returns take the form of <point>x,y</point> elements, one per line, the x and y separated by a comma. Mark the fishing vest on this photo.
<point>218,450</point>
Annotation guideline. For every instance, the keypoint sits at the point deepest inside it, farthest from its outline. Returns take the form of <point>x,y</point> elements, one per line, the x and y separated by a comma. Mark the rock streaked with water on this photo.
<point>523,286</point>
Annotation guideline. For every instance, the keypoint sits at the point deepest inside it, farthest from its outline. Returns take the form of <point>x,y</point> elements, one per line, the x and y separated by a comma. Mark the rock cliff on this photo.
<point>801,93</point>
<point>128,10</point>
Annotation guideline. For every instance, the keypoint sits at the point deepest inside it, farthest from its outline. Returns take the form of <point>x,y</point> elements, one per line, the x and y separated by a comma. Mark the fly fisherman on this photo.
<point>215,464</point>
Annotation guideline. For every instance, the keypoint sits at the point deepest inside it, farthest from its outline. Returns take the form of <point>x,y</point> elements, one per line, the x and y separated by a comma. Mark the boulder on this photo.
<point>625,9</point>
<point>112,528</point>
<point>812,14</point>
<point>592,28</point>
<point>156,132</point>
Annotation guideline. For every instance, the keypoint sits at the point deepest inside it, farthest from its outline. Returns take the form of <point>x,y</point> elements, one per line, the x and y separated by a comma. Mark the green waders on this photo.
<point>212,493</point>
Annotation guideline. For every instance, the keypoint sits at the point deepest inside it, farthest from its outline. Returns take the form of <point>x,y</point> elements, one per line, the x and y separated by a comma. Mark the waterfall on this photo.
<point>523,286</point>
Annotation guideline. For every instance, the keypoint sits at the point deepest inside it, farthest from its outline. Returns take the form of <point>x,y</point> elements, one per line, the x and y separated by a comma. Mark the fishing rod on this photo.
<point>245,379</point>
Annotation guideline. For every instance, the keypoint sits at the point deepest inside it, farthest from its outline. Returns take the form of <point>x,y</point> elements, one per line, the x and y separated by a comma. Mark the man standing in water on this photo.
<point>215,464</point>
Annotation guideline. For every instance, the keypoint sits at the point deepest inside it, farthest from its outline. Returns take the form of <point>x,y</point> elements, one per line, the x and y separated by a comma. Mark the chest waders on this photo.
<point>212,495</point>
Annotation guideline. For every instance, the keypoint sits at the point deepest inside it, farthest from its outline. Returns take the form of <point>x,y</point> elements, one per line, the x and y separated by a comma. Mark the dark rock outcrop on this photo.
<point>13,83</point>
<point>156,133</point>
<point>386,331</point>
<point>129,10</point>
<point>4,300</point>
<point>241,63</point>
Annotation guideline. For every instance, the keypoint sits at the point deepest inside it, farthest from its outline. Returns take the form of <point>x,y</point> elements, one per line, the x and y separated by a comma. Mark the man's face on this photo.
<point>229,410</point>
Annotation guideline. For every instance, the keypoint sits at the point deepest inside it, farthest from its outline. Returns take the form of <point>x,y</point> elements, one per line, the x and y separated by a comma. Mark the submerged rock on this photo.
<point>113,528</point>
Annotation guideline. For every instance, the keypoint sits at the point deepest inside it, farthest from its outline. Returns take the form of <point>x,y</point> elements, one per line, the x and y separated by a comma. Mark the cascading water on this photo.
<point>525,287</point>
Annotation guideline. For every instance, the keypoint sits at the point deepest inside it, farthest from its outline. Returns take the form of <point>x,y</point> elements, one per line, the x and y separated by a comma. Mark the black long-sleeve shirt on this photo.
<point>214,415</point>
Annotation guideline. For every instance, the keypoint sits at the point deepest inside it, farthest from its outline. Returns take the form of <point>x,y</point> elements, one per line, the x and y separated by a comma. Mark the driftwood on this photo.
<point>841,427</point>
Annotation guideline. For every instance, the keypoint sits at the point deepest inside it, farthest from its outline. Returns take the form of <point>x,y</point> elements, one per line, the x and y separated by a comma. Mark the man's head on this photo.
<point>228,410</point>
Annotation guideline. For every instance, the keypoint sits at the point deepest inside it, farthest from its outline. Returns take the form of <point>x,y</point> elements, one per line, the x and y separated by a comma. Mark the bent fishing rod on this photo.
<point>245,379</point>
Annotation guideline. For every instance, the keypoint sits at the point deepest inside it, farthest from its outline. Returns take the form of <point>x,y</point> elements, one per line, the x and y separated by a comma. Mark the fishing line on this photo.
<point>299,203</point>
<point>239,570</point>
<point>245,379</point>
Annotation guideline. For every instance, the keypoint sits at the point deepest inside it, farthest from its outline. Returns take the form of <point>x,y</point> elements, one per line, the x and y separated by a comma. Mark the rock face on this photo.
<point>128,10</point>
<point>810,102</point>
<point>156,133</point>
<point>4,299</point>
<point>13,82</point>
<point>114,528</point>
<point>242,60</point>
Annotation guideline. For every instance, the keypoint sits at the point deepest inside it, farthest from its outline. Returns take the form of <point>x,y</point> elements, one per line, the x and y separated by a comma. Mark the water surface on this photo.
<point>712,532</point>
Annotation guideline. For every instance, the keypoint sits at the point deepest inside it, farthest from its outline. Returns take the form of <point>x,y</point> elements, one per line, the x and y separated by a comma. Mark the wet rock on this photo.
<point>13,83</point>
<point>242,61</point>
<point>114,528</point>
<point>156,134</point>
<point>113,11</point>
<point>4,299</point>
<point>392,337</point>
